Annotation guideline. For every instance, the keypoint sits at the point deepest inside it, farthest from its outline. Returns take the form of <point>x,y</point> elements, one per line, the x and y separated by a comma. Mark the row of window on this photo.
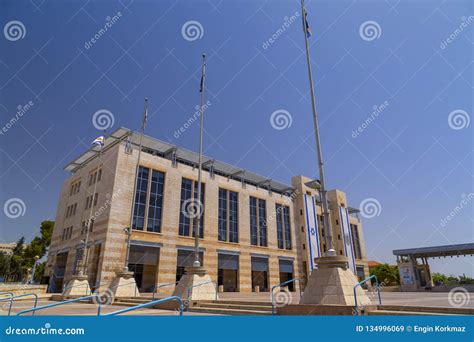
<point>95,176</point>
<point>91,199</point>
<point>148,207</point>
<point>75,188</point>
<point>67,233</point>
<point>84,226</point>
<point>71,210</point>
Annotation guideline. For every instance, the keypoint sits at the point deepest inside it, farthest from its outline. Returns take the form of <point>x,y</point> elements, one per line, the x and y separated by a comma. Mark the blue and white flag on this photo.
<point>347,238</point>
<point>99,141</point>
<point>312,229</point>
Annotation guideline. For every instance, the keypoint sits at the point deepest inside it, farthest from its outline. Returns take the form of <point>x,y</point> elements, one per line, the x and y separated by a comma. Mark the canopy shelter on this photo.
<point>413,265</point>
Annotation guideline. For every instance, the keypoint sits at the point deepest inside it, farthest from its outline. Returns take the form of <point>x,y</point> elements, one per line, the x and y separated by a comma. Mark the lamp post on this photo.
<point>319,153</point>
<point>198,205</point>
<point>128,230</point>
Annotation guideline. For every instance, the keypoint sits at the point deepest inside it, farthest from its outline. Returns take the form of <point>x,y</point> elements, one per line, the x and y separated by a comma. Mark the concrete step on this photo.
<point>429,309</point>
<point>248,306</point>
<point>237,302</point>
<point>228,312</point>
<point>404,313</point>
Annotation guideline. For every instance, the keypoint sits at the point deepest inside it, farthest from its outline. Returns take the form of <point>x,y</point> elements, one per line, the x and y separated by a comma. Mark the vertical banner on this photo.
<point>347,238</point>
<point>312,229</point>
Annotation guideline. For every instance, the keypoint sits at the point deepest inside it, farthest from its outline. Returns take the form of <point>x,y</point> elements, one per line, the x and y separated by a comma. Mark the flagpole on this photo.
<point>199,207</point>
<point>83,269</point>
<point>326,218</point>
<point>128,230</point>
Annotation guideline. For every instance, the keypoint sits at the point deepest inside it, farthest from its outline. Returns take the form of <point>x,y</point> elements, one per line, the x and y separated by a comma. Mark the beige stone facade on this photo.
<point>162,252</point>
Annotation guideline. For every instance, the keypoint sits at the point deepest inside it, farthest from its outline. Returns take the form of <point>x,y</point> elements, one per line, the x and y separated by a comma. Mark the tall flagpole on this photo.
<point>83,269</point>
<point>326,219</point>
<point>128,230</point>
<point>199,207</point>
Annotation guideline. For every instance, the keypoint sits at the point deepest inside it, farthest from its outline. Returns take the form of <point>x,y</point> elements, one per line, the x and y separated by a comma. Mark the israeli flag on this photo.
<point>99,141</point>
<point>347,238</point>
<point>312,229</point>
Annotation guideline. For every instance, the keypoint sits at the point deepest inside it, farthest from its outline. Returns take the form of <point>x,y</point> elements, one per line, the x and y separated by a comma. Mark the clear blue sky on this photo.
<point>409,158</point>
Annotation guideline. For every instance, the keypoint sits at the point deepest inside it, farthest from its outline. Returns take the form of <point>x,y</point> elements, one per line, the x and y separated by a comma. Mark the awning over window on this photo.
<point>186,258</point>
<point>286,266</point>
<point>228,261</point>
<point>259,264</point>
<point>144,255</point>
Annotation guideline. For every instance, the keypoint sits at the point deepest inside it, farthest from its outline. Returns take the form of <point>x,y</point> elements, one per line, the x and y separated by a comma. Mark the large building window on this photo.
<point>283,226</point>
<point>150,187</point>
<point>258,222</point>
<point>189,189</point>
<point>228,226</point>
<point>155,203</point>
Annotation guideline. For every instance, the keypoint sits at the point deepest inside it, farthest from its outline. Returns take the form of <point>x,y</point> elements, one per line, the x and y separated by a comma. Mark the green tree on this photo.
<point>386,274</point>
<point>4,264</point>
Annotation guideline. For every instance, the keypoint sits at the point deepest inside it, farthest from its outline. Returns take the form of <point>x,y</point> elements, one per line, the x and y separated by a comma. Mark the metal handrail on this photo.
<point>156,287</point>
<point>11,299</point>
<point>18,296</point>
<point>197,285</point>
<point>99,306</point>
<point>152,303</point>
<point>78,285</point>
<point>281,285</point>
<point>356,309</point>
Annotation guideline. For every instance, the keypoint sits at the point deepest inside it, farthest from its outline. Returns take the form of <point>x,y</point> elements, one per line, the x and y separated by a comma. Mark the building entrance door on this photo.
<point>260,274</point>
<point>228,272</point>
<point>144,263</point>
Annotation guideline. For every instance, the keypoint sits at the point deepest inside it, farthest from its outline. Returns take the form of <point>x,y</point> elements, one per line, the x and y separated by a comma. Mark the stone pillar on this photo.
<point>245,273</point>
<point>167,269</point>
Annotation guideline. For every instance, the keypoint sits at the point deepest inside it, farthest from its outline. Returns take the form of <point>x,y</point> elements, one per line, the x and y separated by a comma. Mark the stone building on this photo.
<point>256,232</point>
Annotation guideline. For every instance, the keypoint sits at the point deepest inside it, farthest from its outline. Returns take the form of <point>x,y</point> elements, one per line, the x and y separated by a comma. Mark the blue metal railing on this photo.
<point>197,285</point>
<point>281,285</point>
<point>65,302</point>
<point>18,296</point>
<point>11,299</point>
<point>377,287</point>
<point>155,288</point>
<point>145,305</point>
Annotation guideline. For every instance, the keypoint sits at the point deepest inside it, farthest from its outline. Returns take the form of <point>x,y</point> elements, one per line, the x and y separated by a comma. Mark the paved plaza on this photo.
<point>408,299</point>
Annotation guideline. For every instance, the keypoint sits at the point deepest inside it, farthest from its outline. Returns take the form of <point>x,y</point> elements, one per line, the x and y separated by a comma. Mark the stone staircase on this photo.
<point>228,307</point>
